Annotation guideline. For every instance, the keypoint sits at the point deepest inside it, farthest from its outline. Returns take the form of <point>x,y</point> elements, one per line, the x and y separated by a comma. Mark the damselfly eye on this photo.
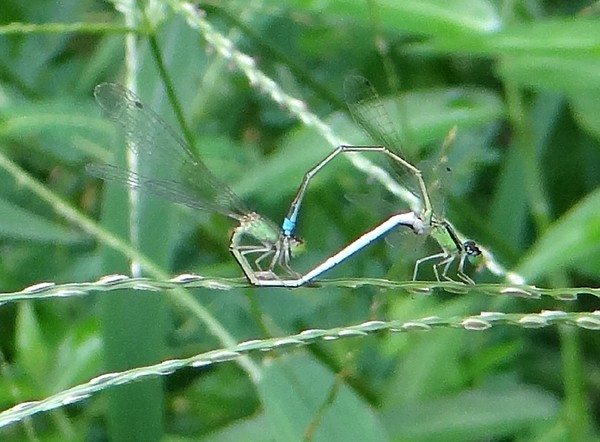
<point>471,248</point>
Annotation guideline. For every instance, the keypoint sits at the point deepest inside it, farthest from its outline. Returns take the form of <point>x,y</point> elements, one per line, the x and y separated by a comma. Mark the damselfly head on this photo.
<point>471,248</point>
<point>473,253</point>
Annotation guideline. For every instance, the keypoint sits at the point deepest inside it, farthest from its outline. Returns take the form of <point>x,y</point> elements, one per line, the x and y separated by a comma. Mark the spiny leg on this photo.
<point>460,272</point>
<point>465,278</point>
<point>446,263</point>
<point>427,208</point>
<point>249,272</point>
<point>281,257</point>
<point>265,250</point>
<point>427,258</point>
<point>284,263</point>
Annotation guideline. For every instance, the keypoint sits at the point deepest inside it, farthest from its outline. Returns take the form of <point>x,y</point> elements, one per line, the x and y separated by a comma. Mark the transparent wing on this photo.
<point>171,190</point>
<point>370,114</point>
<point>182,177</point>
<point>439,175</point>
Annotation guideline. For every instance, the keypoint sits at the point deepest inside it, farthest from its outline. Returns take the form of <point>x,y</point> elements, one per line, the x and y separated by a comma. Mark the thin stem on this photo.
<point>575,409</point>
<point>166,78</point>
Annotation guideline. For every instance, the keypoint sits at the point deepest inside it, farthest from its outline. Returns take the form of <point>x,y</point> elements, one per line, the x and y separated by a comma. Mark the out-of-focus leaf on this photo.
<point>567,74</point>
<point>295,390</point>
<point>473,415</point>
<point>567,37</point>
<point>570,240</point>
<point>17,223</point>
<point>77,356</point>
<point>432,113</point>
<point>585,108</point>
<point>430,17</point>
<point>33,352</point>
<point>65,130</point>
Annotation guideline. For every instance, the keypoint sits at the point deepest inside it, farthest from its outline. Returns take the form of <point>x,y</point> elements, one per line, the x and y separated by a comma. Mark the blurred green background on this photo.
<point>519,79</point>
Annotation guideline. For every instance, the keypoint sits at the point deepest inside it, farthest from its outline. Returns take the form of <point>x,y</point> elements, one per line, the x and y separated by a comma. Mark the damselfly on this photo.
<point>370,114</point>
<point>184,179</point>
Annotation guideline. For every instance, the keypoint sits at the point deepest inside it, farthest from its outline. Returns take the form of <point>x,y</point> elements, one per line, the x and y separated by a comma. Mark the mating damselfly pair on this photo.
<point>260,247</point>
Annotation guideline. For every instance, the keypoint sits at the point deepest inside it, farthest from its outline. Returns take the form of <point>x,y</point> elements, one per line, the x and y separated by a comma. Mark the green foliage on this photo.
<point>518,80</point>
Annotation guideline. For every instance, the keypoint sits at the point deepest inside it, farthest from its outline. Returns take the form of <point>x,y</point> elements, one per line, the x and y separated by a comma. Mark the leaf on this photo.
<point>18,223</point>
<point>294,388</point>
<point>585,108</point>
<point>430,17</point>
<point>33,352</point>
<point>66,130</point>
<point>568,242</point>
<point>473,415</point>
<point>557,37</point>
<point>571,75</point>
